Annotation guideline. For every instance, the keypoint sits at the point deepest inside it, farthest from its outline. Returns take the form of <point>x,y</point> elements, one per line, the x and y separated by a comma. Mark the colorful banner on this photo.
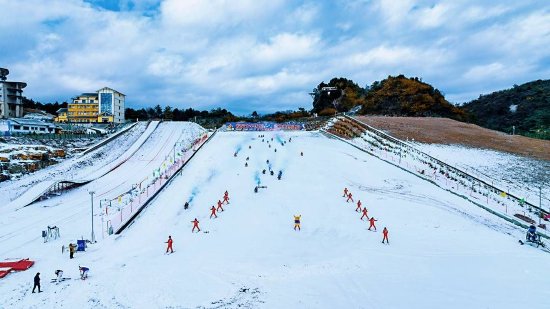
<point>264,126</point>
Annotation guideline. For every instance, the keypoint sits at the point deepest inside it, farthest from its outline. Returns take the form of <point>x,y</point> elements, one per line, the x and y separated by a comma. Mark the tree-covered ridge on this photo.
<point>525,107</point>
<point>401,96</point>
<point>393,96</point>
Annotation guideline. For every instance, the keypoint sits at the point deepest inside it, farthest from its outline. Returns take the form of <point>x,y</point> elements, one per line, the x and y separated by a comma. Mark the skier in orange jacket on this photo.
<point>226,197</point>
<point>385,233</point>
<point>358,209</point>
<point>372,220</point>
<point>213,213</point>
<point>345,192</point>
<point>219,206</point>
<point>350,197</point>
<point>195,225</point>
<point>169,247</point>
<point>365,214</point>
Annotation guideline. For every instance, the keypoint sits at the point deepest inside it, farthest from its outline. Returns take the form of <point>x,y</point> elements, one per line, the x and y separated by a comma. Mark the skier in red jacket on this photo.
<point>365,214</point>
<point>219,206</point>
<point>372,220</point>
<point>169,247</point>
<point>213,213</point>
<point>195,225</point>
<point>350,197</point>
<point>345,192</point>
<point>358,209</point>
<point>385,233</point>
<point>226,197</point>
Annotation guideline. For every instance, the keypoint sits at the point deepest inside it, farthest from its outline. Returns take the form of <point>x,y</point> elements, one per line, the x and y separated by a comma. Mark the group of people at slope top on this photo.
<point>364,212</point>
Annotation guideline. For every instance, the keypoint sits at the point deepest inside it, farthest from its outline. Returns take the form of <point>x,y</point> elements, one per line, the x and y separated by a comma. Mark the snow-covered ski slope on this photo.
<point>443,252</point>
<point>26,189</point>
<point>21,226</point>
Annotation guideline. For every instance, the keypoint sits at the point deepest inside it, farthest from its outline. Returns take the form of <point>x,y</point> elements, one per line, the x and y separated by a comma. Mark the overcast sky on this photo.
<point>247,55</point>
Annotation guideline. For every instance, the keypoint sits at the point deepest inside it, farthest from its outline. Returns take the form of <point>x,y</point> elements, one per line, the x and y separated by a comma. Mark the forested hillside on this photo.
<point>525,107</point>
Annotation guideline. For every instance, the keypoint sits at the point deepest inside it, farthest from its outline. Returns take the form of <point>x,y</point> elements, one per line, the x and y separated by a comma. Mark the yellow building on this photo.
<point>61,116</point>
<point>104,106</point>
<point>84,108</point>
<point>105,118</point>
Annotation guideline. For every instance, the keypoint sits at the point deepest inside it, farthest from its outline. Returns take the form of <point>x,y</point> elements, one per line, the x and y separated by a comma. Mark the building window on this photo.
<point>17,127</point>
<point>25,128</point>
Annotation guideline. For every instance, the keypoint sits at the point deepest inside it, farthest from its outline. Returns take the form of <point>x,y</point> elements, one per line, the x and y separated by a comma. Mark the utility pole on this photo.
<point>92,197</point>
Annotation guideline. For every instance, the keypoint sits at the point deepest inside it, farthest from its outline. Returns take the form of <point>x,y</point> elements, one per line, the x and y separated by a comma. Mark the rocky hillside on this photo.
<point>393,96</point>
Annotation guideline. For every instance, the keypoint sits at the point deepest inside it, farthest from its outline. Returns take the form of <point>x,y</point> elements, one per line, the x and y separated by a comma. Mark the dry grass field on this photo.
<point>448,131</point>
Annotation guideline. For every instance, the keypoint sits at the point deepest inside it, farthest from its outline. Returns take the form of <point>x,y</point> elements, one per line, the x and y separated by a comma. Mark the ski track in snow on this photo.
<point>444,250</point>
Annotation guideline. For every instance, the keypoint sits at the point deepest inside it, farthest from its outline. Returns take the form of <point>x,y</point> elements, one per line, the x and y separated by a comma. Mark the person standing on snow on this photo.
<point>345,192</point>
<point>213,212</point>
<point>350,197</point>
<point>219,206</point>
<point>195,225</point>
<point>372,220</point>
<point>358,209</point>
<point>36,283</point>
<point>226,198</point>
<point>169,247</point>
<point>365,213</point>
<point>72,249</point>
<point>297,222</point>
<point>385,233</point>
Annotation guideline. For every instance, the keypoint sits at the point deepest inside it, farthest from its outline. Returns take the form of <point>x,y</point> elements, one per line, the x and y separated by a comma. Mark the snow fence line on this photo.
<point>125,223</point>
<point>109,139</point>
<point>38,190</point>
<point>505,217</point>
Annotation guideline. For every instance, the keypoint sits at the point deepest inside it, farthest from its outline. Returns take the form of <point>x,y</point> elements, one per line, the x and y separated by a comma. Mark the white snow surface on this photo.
<point>444,251</point>
<point>519,175</point>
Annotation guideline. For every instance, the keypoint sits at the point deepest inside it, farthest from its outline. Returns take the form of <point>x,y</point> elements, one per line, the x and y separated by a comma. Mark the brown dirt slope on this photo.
<point>448,131</point>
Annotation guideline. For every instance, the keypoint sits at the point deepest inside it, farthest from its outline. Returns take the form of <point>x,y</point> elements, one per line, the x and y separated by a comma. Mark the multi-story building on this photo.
<point>83,109</point>
<point>104,106</point>
<point>11,96</point>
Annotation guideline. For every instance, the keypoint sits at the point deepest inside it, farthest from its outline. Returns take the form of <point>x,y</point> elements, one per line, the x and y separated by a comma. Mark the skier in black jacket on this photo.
<point>36,283</point>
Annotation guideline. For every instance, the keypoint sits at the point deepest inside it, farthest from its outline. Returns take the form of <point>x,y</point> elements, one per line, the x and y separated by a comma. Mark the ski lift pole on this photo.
<point>92,199</point>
